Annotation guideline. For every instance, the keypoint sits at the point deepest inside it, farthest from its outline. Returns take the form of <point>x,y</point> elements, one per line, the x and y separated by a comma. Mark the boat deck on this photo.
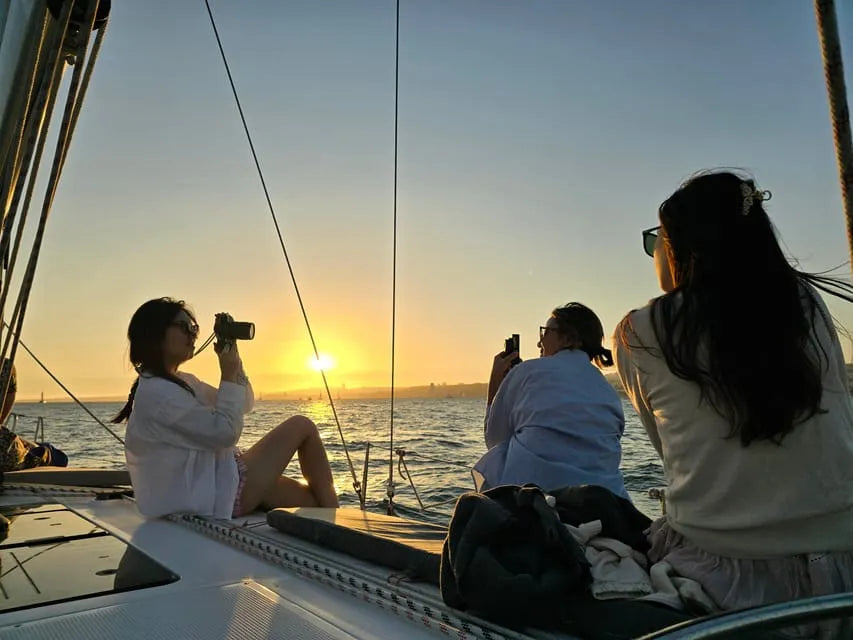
<point>237,578</point>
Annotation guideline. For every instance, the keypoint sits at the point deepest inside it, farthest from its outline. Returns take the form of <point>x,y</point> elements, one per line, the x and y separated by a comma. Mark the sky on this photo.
<point>536,140</point>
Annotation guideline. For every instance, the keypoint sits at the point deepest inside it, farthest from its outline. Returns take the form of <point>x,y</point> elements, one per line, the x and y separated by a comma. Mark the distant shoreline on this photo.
<point>434,391</point>
<point>461,390</point>
<point>473,390</point>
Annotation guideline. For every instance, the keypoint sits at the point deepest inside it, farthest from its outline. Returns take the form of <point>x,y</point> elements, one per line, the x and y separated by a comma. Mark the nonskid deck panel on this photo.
<point>234,611</point>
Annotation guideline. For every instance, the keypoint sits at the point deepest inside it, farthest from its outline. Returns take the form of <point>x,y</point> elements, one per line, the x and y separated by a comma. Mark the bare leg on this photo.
<point>268,458</point>
<point>287,492</point>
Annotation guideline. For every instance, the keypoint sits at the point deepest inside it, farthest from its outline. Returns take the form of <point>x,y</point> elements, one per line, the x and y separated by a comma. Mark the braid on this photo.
<point>124,414</point>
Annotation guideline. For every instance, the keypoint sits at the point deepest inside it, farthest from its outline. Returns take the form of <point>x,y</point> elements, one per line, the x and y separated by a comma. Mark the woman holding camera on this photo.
<point>555,421</point>
<point>182,433</point>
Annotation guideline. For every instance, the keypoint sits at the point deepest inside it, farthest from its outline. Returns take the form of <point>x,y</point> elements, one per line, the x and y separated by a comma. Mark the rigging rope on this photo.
<point>355,482</point>
<point>66,389</point>
<point>833,68</point>
<point>390,489</point>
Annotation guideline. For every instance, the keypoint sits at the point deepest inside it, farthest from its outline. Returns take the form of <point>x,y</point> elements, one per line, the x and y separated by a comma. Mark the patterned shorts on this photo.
<point>241,472</point>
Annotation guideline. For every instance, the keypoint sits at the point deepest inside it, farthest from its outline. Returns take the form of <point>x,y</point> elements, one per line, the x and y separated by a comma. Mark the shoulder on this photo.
<point>190,379</point>
<point>527,369</point>
<point>151,383</point>
<point>563,363</point>
<point>636,328</point>
<point>154,390</point>
<point>813,301</point>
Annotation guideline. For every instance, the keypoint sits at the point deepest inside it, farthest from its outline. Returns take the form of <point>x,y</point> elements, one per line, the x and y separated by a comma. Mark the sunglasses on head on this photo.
<point>650,237</point>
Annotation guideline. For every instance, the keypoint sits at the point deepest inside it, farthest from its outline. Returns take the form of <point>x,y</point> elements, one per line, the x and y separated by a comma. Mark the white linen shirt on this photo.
<point>180,447</point>
<point>555,421</point>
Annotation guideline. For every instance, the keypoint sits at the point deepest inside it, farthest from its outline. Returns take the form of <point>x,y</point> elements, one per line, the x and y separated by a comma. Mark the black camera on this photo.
<point>228,329</point>
<point>512,344</point>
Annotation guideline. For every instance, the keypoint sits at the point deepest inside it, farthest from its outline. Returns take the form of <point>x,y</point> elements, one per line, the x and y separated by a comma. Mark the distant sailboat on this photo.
<point>41,400</point>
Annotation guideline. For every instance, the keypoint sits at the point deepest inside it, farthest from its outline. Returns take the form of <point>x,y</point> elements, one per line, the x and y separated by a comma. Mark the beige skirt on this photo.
<point>738,583</point>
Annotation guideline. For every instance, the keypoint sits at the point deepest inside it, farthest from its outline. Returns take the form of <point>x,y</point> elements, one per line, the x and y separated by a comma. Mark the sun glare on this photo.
<point>321,363</point>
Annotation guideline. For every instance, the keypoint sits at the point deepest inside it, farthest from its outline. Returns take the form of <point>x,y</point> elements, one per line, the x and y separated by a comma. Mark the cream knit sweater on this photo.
<point>759,501</point>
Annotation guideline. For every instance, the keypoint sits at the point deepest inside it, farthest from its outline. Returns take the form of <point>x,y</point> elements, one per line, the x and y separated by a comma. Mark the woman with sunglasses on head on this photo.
<point>555,421</point>
<point>738,376</point>
<point>182,433</point>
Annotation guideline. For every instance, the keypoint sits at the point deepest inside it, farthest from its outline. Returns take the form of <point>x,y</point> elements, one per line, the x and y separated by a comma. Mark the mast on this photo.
<point>833,68</point>
<point>38,40</point>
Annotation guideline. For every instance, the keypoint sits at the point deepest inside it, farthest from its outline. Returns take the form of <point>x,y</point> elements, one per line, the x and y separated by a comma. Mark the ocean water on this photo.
<point>442,438</point>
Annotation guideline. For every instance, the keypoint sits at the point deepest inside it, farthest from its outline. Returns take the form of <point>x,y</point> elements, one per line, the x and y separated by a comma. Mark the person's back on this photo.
<point>566,423</point>
<point>555,421</point>
<point>766,499</point>
<point>738,377</point>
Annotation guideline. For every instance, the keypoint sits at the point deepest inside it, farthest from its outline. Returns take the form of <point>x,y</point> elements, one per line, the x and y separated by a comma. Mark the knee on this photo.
<point>301,424</point>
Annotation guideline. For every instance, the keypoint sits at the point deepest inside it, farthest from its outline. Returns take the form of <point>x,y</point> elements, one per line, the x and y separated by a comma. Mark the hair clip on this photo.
<point>750,195</point>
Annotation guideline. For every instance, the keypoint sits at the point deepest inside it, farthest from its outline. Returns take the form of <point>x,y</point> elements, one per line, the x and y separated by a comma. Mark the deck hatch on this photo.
<point>50,554</point>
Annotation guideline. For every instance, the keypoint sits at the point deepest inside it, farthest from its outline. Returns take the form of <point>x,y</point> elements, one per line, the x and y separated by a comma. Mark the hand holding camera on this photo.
<point>228,331</point>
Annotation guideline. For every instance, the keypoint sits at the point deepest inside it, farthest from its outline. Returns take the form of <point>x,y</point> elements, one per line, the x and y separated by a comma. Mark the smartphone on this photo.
<point>512,344</point>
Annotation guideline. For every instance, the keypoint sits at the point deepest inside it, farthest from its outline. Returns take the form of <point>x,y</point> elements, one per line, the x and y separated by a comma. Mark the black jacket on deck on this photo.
<point>508,556</point>
<point>620,519</point>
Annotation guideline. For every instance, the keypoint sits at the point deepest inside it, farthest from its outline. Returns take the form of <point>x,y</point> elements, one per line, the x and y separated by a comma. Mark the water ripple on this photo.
<point>433,430</point>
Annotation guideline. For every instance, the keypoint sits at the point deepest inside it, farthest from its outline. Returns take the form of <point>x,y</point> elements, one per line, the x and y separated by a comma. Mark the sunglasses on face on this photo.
<point>190,328</point>
<point>650,237</point>
<point>544,330</point>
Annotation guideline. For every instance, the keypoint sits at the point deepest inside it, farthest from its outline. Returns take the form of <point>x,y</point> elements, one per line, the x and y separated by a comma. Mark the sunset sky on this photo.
<point>536,140</point>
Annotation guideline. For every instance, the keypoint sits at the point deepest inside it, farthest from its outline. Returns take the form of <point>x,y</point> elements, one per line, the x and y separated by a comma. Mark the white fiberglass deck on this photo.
<point>226,591</point>
<point>242,610</point>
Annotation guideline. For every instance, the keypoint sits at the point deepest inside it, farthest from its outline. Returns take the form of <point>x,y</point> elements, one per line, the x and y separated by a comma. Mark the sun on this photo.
<point>321,363</point>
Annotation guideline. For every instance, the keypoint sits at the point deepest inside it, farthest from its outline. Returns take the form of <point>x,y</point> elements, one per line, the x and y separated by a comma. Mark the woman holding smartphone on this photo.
<point>555,421</point>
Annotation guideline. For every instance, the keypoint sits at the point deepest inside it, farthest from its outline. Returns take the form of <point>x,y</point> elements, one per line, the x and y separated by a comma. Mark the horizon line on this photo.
<point>277,393</point>
<point>362,392</point>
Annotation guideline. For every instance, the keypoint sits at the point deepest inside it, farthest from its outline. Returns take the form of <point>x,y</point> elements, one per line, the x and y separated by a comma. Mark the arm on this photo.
<point>185,421</point>
<point>499,425</point>
<point>189,422</point>
<point>500,367</point>
<point>249,399</point>
<point>835,344</point>
<point>631,377</point>
<point>208,393</point>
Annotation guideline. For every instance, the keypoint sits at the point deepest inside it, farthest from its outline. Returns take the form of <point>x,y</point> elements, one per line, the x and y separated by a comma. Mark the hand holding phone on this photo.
<point>499,365</point>
<point>511,345</point>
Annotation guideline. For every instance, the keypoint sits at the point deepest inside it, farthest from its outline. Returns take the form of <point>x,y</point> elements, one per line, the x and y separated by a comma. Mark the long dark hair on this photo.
<point>145,333</point>
<point>740,319</point>
<point>580,325</point>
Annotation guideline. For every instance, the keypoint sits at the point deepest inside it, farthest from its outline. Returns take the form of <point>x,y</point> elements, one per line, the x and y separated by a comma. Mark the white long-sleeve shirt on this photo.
<point>179,447</point>
<point>555,421</point>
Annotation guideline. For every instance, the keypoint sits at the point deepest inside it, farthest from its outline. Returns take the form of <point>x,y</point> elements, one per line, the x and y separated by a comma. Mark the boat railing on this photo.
<point>403,470</point>
<point>761,622</point>
<point>38,435</point>
<point>405,473</point>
